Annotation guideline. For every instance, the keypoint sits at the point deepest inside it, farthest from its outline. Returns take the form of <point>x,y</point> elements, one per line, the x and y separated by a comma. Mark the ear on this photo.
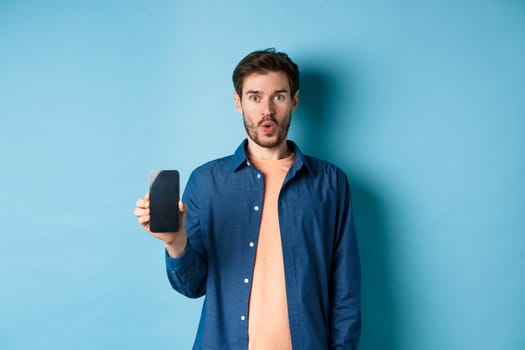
<point>237,101</point>
<point>295,101</point>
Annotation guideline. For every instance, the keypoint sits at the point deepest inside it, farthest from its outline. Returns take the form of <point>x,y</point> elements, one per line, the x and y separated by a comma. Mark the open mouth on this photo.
<point>268,126</point>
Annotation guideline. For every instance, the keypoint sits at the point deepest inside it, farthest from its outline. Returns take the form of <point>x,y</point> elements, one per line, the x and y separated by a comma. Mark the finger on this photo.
<point>141,212</point>
<point>144,219</point>
<point>141,203</point>
<point>146,196</point>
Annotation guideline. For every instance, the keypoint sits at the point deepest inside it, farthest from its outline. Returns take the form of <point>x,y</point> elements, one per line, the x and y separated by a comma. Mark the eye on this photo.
<point>280,97</point>
<point>254,98</point>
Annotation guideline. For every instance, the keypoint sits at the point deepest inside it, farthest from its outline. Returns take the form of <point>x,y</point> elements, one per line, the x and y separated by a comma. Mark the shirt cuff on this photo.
<point>183,262</point>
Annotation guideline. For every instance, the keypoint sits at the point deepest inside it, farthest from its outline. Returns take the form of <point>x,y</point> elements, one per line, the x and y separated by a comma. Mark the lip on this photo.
<point>268,127</point>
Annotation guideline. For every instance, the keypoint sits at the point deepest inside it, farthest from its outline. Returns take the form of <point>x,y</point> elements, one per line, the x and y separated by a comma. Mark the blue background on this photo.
<point>422,103</point>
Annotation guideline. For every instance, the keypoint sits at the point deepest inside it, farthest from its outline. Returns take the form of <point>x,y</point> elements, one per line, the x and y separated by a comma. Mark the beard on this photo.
<point>279,136</point>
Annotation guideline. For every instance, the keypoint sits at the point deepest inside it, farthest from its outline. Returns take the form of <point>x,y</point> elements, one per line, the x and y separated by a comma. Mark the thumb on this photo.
<point>182,207</point>
<point>182,216</point>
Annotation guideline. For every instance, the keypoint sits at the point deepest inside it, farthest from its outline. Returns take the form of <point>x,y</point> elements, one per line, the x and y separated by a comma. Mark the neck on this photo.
<point>280,151</point>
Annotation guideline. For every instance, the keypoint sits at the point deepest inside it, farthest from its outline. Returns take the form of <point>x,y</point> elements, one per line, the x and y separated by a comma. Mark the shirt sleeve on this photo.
<point>187,274</point>
<point>346,277</point>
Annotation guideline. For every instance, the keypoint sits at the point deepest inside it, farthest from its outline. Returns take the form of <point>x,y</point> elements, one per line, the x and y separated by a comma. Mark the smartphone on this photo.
<point>164,193</point>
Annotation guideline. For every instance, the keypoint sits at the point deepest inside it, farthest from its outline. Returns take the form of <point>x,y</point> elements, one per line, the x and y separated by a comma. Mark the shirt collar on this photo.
<point>240,158</point>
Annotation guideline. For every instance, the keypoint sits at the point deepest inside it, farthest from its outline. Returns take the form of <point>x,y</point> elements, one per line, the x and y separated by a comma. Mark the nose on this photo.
<point>268,108</point>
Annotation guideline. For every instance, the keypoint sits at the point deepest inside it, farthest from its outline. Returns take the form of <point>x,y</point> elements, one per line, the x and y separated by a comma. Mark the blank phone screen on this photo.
<point>164,201</point>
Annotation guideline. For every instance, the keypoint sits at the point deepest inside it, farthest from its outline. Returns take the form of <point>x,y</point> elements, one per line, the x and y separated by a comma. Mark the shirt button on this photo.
<point>246,281</point>
<point>251,244</point>
<point>256,208</point>
<point>243,317</point>
<point>258,176</point>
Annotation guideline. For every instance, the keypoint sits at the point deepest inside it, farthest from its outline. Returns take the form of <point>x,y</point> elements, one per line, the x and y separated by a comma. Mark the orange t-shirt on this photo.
<point>268,326</point>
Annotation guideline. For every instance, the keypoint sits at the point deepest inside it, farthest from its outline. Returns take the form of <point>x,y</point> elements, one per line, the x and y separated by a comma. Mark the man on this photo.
<point>267,233</point>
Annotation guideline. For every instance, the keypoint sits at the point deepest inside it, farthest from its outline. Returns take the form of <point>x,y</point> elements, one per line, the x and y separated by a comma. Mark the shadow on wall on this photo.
<point>320,99</point>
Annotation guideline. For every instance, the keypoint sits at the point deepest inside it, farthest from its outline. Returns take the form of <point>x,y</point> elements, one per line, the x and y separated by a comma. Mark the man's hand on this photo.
<point>175,242</point>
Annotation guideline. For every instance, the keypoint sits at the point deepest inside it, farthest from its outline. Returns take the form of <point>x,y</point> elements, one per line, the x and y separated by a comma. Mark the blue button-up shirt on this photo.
<point>321,261</point>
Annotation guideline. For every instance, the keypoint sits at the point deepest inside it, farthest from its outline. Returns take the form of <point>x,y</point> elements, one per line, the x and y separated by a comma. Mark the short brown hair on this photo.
<point>264,61</point>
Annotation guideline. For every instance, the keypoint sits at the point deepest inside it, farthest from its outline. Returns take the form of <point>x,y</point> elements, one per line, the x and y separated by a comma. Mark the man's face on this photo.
<point>266,106</point>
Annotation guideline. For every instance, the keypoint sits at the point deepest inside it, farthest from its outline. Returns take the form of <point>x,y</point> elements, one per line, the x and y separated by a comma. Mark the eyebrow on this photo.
<point>258,91</point>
